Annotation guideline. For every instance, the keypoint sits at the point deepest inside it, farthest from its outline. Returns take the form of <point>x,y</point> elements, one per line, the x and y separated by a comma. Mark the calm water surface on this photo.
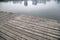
<point>41,8</point>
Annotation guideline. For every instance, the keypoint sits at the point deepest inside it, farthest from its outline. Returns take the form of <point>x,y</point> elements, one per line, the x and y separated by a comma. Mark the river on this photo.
<point>41,8</point>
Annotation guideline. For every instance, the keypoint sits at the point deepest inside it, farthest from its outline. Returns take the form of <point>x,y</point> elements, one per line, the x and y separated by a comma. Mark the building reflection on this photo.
<point>21,1</point>
<point>25,2</point>
<point>34,2</point>
<point>17,1</point>
<point>58,1</point>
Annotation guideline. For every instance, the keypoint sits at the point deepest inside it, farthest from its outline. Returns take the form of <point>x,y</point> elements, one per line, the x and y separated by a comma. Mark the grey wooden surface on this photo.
<point>23,27</point>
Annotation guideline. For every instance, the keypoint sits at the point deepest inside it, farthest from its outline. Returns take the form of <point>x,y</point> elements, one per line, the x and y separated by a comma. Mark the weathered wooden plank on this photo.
<point>6,27</point>
<point>7,31</point>
<point>1,38</point>
<point>40,28</point>
<point>29,28</point>
<point>7,37</point>
<point>22,32</point>
<point>33,27</point>
<point>6,18</point>
<point>45,24</point>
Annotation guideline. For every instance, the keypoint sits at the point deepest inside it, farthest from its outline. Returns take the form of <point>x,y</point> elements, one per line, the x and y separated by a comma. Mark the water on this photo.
<point>41,8</point>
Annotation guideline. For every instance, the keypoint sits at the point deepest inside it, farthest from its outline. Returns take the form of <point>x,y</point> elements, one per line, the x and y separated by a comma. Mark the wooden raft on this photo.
<point>22,27</point>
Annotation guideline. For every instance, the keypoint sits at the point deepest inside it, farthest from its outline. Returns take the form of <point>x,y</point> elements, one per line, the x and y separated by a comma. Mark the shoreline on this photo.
<point>31,16</point>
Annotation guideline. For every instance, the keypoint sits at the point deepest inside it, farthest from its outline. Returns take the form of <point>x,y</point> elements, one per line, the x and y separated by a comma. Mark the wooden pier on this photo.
<point>22,27</point>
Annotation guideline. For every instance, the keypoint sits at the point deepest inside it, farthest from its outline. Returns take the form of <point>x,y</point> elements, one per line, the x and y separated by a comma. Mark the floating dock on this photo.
<point>22,27</point>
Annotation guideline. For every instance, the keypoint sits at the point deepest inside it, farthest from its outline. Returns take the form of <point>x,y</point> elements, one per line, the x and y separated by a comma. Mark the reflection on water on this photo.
<point>58,1</point>
<point>34,2</point>
<point>41,8</point>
